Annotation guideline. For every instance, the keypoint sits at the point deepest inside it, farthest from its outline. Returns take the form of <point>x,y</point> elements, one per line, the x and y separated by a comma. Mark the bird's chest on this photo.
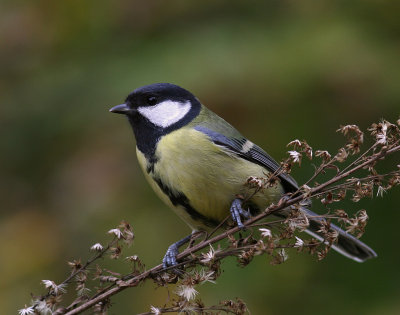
<point>193,175</point>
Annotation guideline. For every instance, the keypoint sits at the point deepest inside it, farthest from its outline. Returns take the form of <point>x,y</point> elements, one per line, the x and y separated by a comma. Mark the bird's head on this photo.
<point>161,105</point>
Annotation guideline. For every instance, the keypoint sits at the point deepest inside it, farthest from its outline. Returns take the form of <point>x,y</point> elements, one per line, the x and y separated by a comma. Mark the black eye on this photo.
<point>152,100</point>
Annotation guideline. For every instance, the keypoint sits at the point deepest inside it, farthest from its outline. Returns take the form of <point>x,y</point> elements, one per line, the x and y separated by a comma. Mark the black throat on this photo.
<point>147,134</point>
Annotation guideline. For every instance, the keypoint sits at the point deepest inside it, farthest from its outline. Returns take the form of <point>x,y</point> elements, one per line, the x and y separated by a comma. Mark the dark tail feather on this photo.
<point>347,245</point>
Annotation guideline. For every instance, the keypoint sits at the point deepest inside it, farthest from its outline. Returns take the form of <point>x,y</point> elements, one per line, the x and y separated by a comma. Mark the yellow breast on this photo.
<point>208,176</point>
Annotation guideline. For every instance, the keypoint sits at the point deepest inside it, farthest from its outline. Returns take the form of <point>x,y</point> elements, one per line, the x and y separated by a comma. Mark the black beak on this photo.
<point>121,109</point>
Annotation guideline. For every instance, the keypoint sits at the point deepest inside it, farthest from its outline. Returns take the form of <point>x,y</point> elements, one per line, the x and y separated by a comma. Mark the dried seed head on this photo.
<point>97,247</point>
<point>280,257</point>
<point>295,156</point>
<point>295,143</point>
<point>187,292</point>
<point>257,183</point>
<point>297,221</point>
<point>327,199</point>
<point>127,232</point>
<point>54,288</point>
<point>205,276</point>
<point>353,147</point>
<point>359,135</point>
<point>381,191</point>
<point>342,155</point>
<point>116,232</point>
<point>307,150</point>
<point>209,256</point>
<point>383,132</point>
<point>246,257</point>
<point>325,155</point>
<point>323,253</point>
<point>75,265</point>
<point>265,232</point>
<point>155,310</point>
<point>115,252</point>
<point>299,243</point>
<point>26,311</point>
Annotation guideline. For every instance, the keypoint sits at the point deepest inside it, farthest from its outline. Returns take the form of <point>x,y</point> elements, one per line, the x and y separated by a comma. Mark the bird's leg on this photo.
<point>237,211</point>
<point>173,251</point>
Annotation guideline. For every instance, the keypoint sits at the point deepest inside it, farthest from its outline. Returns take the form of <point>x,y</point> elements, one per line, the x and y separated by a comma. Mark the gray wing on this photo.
<point>251,152</point>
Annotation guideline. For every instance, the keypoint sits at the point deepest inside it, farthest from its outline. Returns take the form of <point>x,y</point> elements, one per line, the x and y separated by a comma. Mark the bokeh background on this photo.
<point>277,70</point>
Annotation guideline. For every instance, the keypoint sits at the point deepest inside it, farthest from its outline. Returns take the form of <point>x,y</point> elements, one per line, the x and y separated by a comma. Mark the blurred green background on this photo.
<point>277,70</point>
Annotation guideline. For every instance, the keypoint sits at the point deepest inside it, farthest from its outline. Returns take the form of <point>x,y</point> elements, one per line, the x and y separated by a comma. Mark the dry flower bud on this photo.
<point>353,146</point>
<point>286,167</point>
<point>256,182</point>
<point>327,199</point>
<point>75,264</point>
<point>303,145</point>
<point>155,310</point>
<point>381,138</point>
<point>209,256</point>
<point>115,252</point>
<point>324,228</point>
<point>26,311</point>
<point>97,247</point>
<point>380,191</point>
<point>307,150</point>
<point>342,155</point>
<point>363,216</point>
<point>187,292</point>
<point>265,232</point>
<point>382,131</point>
<point>205,276</point>
<point>297,221</point>
<point>295,156</point>
<point>116,232</point>
<point>354,128</point>
<point>295,143</point>
<point>56,289</point>
<point>246,257</point>
<point>132,258</point>
<point>127,232</point>
<point>342,214</point>
<point>332,236</point>
<point>323,253</point>
<point>323,154</point>
<point>280,257</point>
<point>299,243</point>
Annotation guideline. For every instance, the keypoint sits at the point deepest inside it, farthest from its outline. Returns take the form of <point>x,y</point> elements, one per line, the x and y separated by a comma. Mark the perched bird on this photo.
<point>198,164</point>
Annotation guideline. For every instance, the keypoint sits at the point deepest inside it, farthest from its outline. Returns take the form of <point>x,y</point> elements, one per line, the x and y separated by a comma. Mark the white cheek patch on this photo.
<point>166,113</point>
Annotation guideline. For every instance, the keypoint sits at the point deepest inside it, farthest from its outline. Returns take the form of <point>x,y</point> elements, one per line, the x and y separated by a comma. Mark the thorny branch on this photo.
<point>273,238</point>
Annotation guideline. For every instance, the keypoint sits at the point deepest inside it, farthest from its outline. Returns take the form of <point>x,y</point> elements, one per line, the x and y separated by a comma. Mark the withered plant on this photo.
<point>351,174</point>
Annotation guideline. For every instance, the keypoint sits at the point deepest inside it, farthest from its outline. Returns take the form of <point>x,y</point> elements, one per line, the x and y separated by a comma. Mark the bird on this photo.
<point>198,164</point>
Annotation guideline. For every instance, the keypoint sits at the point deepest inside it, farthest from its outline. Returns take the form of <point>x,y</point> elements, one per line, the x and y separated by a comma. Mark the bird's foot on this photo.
<point>170,256</point>
<point>237,211</point>
<point>169,259</point>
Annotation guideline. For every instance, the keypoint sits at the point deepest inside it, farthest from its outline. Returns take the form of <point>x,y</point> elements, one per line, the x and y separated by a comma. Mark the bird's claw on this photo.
<point>169,259</point>
<point>237,211</point>
<point>170,256</point>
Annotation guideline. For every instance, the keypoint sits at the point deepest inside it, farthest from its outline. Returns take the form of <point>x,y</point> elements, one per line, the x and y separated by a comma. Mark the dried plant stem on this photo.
<point>369,161</point>
<point>243,248</point>
<point>283,203</point>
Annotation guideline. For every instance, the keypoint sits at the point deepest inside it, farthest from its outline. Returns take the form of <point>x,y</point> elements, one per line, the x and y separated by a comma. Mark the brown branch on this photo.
<point>283,203</point>
<point>244,248</point>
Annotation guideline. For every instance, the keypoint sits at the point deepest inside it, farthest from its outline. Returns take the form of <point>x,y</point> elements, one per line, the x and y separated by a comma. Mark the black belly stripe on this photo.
<point>179,198</point>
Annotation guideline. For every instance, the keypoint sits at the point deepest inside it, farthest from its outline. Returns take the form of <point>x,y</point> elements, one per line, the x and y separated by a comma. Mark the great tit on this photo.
<point>198,164</point>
